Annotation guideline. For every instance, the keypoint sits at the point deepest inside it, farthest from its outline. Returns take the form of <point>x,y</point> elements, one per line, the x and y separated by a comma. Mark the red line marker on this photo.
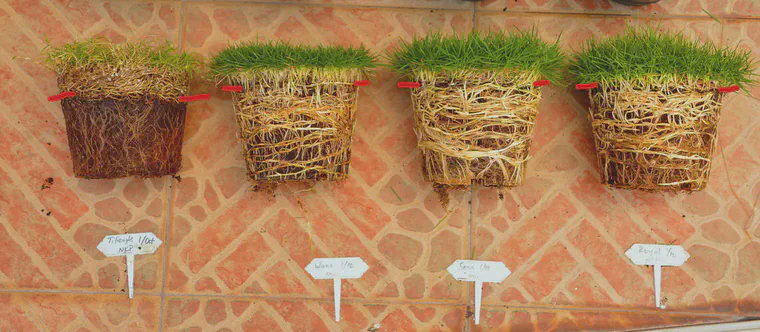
<point>361,83</point>
<point>542,83</point>
<point>727,89</point>
<point>62,95</point>
<point>185,99</point>
<point>232,88</point>
<point>587,86</point>
<point>408,85</point>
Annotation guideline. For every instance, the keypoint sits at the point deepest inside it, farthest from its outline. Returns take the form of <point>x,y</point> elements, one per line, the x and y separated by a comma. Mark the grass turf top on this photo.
<point>644,53</point>
<point>245,58</point>
<point>490,51</point>
<point>101,52</point>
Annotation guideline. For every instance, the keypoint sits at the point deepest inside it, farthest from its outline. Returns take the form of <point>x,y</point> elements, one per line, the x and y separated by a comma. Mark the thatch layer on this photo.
<point>475,127</point>
<point>656,134</point>
<point>104,81</point>
<point>96,69</point>
<point>113,138</point>
<point>296,125</point>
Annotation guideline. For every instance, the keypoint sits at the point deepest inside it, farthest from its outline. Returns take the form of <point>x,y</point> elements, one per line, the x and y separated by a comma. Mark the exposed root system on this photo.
<point>113,138</point>
<point>296,125</point>
<point>656,135</point>
<point>475,127</point>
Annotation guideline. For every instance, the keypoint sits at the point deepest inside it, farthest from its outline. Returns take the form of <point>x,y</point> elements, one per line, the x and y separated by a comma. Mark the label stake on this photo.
<point>337,269</point>
<point>129,245</point>
<point>479,272</point>
<point>657,255</point>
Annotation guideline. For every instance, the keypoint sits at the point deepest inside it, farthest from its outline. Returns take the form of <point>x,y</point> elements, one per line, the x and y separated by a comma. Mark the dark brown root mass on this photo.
<point>112,138</point>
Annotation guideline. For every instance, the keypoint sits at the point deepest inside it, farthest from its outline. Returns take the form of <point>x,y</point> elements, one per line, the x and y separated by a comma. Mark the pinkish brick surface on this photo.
<point>233,259</point>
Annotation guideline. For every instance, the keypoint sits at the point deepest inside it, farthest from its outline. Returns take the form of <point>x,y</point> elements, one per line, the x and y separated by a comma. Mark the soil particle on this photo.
<point>47,184</point>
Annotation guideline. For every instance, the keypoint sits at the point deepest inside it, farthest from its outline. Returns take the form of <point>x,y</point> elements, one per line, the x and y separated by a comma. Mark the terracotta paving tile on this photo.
<point>584,258</point>
<point>432,4</point>
<point>509,319</point>
<point>52,221</point>
<point>48,312</point>
<point>562,233</point>
<point>691,8</point>
<point>381,213</point>
<point>202,314</point>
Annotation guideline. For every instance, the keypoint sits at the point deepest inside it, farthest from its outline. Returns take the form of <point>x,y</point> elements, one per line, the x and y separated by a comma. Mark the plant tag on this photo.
<point>129,245</point>
<point>337,269</point>
<point>542,83</point>
<point>657,255</point>
<point>361,83</point>
<point>479,272</point>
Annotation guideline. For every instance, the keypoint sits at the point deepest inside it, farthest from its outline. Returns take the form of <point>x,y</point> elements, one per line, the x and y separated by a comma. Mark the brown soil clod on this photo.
<point>474,128</point>
<point>655,135</point>
<point>113,138</point>
<point>47,184</point>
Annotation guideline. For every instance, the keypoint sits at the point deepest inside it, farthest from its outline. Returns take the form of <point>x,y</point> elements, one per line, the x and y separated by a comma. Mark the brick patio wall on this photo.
<point>233,259</point>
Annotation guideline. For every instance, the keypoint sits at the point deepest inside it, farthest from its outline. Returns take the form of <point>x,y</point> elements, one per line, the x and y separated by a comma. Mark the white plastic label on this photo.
<point>337,269</point>
<point>129,245</point>
<point>479,272</point>
<point>657,255</point>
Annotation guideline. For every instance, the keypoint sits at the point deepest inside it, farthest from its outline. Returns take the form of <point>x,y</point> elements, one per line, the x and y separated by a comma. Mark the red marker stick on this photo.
<point>728,89</point>
<point>361,83</point>
<point>408,85</point>
<point>542,83</point>
<point>587,86</point>
<point>62,95</point>
<point>185,99</point>
<point>232,88</point>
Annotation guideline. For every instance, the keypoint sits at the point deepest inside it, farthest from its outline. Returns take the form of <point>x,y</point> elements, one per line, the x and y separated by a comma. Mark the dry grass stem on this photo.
<point>474,127</point>
<point>296,125</point>
<point>656,134</point>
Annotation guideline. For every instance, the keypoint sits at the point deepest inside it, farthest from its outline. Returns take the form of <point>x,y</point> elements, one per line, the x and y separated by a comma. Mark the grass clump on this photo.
<point>487,51</point>
<point>247,58</point>
<point>646,53</point>
<point>96,68</point>
<point>100,51</point>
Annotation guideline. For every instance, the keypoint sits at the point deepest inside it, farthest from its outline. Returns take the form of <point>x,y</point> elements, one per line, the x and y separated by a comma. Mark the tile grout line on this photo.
<point>167,224</point>
<point>70,291</point>
<point>328,5</point>
<point>470,222</point>
<point>369,301</point>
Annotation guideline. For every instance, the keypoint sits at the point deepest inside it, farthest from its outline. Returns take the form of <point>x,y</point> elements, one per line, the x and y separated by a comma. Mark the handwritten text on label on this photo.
<point>121,245</point>
<point>657,254</point>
